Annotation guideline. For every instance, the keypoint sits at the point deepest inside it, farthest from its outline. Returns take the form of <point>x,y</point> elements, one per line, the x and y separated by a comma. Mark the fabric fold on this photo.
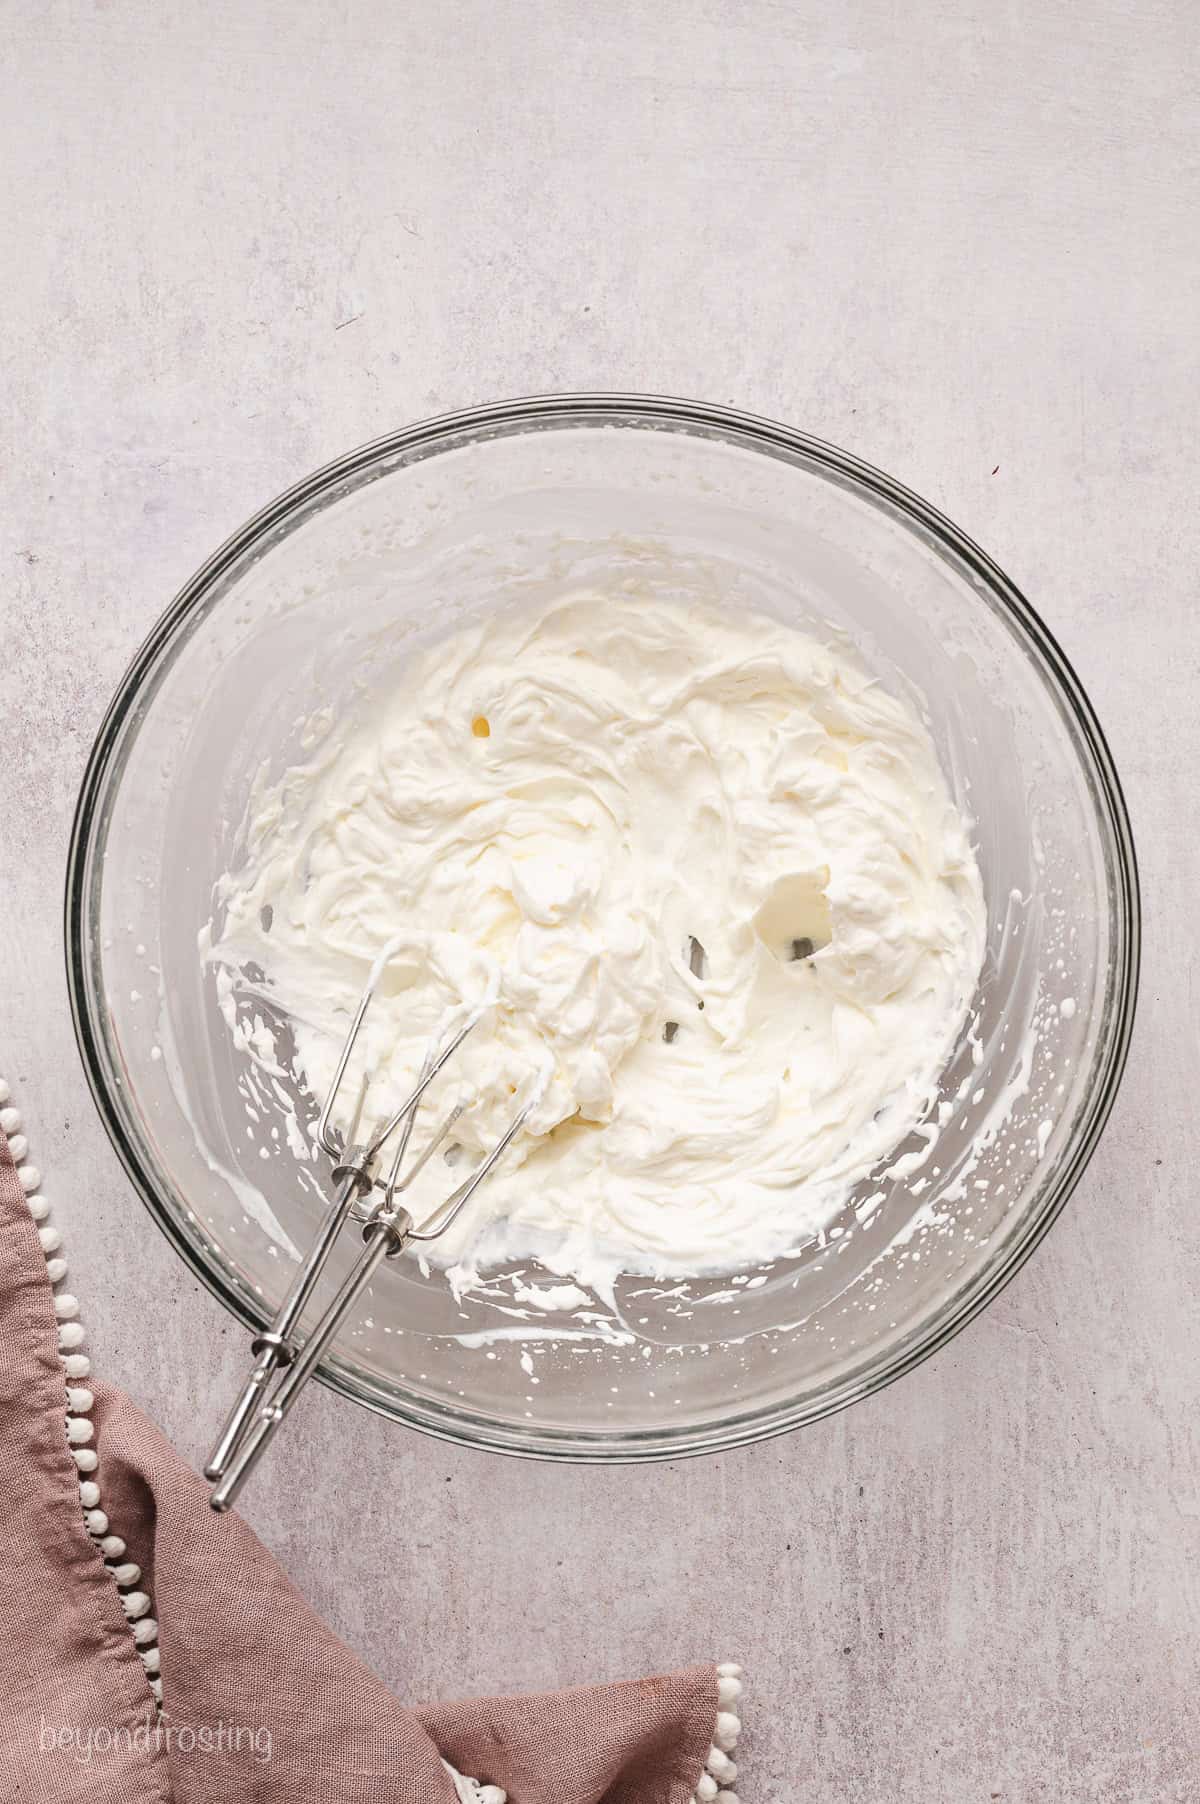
<point>261,1701</point>
<point>620,1744</point>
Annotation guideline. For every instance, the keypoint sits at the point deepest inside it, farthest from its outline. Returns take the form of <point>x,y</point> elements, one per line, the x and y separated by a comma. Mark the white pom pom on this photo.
<point>89,1494</point>
<point>156,1688</point>
<point>39,1207</point>
<point>145,1631</point>
<point>112,1547</point>
<point>18,1146</point>
<point>136,1604</point>
<point>128,1574</point>
<point>50,1238</point>
<point>78,1432</point>
<point>30,1177</point>
<point>70,1336</point>
<point>728,1692</point>
<point>720,1766</point>
<point>76,1365</point>
<point>150,1659</point>
<point>79,1399</point>
<point>706,1788</point>
<point>10,1121</point>
<point>66,1307</point>
<point>56,1270</point>
<point>728,1797</point>
<point>729,1669</point>
<point>728,1730</point>
<point>85,1458</point>
<point>97,1523</point>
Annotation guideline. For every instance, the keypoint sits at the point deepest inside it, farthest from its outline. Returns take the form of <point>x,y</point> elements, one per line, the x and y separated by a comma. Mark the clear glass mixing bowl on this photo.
<point>399,541</point>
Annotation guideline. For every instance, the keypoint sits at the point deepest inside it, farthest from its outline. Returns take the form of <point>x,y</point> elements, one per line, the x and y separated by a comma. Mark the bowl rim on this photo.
<point>459,1424</point>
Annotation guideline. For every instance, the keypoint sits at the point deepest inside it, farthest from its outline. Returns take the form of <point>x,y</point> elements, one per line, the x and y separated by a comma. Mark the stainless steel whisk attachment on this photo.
<point>283,1363</point>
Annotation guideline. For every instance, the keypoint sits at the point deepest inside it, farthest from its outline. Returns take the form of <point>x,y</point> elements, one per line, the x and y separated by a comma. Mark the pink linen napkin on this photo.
<point>261,1702</point>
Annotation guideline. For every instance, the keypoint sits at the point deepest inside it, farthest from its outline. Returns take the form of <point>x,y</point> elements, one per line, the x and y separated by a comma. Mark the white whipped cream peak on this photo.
<point>700,878</point>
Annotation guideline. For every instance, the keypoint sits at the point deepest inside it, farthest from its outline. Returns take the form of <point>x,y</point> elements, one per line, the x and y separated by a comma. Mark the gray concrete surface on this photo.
<point>959,239</point>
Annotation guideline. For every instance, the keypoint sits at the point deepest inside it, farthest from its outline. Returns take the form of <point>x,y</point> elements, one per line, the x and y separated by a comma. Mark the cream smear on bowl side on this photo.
<point>710,877</point>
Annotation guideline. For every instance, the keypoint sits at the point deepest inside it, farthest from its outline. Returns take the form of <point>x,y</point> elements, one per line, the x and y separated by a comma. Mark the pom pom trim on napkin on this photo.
<point>719,1770</point>
<point>80,1432</point>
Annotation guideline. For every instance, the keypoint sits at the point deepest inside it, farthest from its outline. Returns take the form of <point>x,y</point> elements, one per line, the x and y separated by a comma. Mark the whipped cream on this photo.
<point>700,876</point>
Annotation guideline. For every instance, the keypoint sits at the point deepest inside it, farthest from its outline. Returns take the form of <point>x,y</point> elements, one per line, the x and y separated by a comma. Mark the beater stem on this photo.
<point>383,1235</point>
<point>274,1348</point>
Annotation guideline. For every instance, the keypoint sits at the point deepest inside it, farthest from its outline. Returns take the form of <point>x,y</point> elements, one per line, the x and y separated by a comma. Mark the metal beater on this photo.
<point>282,1366</point>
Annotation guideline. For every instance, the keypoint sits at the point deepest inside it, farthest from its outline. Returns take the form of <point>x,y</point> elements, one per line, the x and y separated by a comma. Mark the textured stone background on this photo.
<point>958,238</point>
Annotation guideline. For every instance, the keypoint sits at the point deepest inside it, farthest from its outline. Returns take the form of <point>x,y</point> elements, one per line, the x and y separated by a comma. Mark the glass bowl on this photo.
<point>436,525</point>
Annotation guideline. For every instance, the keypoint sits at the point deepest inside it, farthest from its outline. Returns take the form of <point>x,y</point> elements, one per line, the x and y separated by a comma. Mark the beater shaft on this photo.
<point>274,1348</point>
<point>384,1235</point>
